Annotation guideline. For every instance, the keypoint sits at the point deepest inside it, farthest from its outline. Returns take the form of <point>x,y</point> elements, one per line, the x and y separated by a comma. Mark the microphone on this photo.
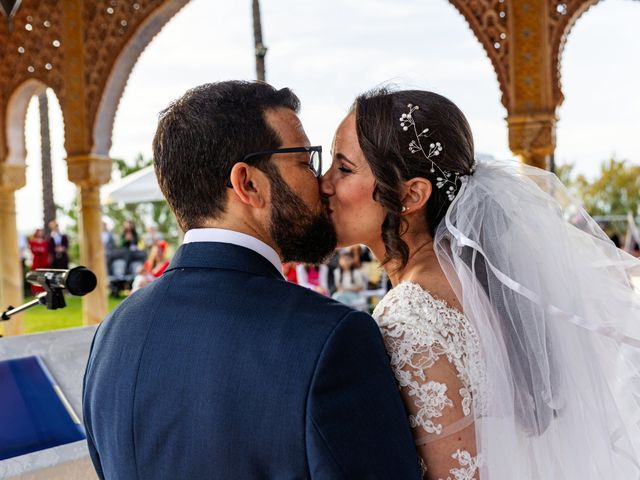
<point>77,281</point>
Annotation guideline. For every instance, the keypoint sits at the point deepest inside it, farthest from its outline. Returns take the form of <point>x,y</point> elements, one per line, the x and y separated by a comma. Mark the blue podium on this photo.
<point>64,353</point>
<point>34,412</point>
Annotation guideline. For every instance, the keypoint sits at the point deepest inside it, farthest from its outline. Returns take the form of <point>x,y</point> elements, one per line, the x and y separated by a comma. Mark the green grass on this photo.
<point>39,319</point>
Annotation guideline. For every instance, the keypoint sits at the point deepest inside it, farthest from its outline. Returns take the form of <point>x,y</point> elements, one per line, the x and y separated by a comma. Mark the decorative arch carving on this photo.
<point>120,69</point>
<point>563,14</point>
<point>16,117</point>
<point>488,20</point>
<point>95,34</point>
<point>34,49</point>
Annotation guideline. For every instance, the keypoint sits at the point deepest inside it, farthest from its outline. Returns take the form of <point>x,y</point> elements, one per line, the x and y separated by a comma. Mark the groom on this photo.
<point>220,369</point>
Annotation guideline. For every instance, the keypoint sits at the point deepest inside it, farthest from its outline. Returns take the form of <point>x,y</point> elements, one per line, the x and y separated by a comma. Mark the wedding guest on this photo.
<point>289,272</point>
<point>150,237</point>
<point>58,247</point>
<point>313,277</point>
<point>332,264</point>
<point>349,281</point>
<point>615,238</point>
<point>153,267</point>
<point>39,247</point>
<point>157,262</point>
<point>129,236</point>
<point>361,254</point>
<point>108,241</point>
<point>23,247</point>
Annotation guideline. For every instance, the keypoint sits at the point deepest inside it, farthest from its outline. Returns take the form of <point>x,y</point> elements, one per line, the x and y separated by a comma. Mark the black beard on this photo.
<point>301,235</point>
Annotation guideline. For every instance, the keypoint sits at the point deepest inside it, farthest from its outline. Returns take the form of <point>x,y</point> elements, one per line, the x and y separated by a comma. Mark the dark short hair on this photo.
<point>386,148</point>
<point>203,134</point>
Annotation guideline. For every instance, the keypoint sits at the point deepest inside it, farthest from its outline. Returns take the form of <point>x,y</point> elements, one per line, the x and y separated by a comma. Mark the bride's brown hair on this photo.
<point>386,148</point>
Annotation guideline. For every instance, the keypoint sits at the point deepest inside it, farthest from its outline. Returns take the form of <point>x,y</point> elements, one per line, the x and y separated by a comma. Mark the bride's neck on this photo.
<point>422,260</point>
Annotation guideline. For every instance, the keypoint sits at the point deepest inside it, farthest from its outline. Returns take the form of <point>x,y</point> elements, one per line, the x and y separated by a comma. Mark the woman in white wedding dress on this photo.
<point>512,326</point>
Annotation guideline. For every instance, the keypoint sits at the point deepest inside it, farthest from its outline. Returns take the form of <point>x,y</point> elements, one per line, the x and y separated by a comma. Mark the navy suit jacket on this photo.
<point>221,369</point>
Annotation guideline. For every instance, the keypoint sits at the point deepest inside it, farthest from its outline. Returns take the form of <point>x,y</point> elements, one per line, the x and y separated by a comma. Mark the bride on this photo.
<point>512,325</point>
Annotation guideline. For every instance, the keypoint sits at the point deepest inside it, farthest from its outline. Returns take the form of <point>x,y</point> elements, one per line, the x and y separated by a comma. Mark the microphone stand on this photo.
<point>52,298</point>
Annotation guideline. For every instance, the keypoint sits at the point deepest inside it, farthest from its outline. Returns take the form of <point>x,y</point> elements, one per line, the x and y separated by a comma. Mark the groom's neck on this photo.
<point>243,226</point>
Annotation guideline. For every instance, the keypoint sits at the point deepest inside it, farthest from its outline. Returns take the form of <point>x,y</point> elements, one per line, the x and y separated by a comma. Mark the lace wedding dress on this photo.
<point>540,378</point>
<point>435,355</point>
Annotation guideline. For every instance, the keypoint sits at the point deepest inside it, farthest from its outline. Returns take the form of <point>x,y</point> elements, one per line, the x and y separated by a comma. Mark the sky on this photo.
<point>328,52</point>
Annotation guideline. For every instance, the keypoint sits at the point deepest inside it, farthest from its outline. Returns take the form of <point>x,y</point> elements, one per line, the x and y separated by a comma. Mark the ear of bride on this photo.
<point>416,193</point>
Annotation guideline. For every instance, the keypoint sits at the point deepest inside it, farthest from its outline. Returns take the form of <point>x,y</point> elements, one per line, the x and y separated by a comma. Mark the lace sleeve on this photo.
<point>437,400</point>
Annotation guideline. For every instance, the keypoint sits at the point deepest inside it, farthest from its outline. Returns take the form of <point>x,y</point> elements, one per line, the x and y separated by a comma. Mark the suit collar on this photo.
<point>224,235</point>
<point>223,256</point>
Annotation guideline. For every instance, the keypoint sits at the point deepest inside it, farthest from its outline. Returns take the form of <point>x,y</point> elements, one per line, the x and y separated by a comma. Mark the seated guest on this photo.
<point>313,277</point>
<point>615,238</point>
<point>129,237</point>
<point>108,241</point>
<point>289,272</point>
<point>349,281</point>
<point>155,266</point>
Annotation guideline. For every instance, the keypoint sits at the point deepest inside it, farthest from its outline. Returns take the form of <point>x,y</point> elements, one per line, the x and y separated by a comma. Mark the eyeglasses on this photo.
<point>315,156</point>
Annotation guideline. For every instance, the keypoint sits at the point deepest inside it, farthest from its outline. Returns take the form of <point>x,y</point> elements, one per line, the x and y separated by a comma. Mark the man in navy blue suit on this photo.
<point>221,369</point>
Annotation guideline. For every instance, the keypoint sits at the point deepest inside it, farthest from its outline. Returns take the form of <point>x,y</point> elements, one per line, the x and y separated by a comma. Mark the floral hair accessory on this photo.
<point>445,177</point>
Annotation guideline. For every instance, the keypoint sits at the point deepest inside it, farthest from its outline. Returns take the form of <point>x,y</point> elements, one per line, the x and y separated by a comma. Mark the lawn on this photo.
<point>39,319</point>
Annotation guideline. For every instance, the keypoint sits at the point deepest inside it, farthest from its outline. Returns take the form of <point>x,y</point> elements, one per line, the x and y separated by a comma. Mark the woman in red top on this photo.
<point>289,271</point>
<point>155,266</point>
<point>157,263</point>
<point>39,247</point>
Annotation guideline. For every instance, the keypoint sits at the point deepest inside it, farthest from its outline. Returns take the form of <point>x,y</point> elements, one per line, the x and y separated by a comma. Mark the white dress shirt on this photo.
<point>222,235</point>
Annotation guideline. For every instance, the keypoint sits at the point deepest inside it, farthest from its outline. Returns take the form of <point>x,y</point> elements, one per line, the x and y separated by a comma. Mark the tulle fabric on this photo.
<point>559,324</point>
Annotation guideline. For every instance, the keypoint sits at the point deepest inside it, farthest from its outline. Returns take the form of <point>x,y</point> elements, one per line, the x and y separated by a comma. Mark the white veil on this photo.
<point>559,326</point>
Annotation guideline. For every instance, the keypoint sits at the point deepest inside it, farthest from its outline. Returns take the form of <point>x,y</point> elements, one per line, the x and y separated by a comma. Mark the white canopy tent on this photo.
<point>140,186</point>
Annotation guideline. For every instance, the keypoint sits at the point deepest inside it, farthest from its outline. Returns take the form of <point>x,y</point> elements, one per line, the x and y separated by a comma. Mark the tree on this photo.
<point>614,193</point>
<point>260,49</point>
<point>48,204</point>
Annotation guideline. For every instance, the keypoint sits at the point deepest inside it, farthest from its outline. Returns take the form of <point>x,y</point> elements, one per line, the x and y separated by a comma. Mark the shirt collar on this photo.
<point>223,235</point>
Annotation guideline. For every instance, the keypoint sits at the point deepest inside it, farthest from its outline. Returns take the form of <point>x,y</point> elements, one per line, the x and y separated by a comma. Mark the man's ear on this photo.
<point>416,193</point>
<point>250,185</point>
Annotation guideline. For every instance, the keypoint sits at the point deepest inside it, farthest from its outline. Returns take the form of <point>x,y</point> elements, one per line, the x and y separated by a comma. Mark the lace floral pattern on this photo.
<point>418,331</point>
<point>468,466</point>
<point>431,400</point>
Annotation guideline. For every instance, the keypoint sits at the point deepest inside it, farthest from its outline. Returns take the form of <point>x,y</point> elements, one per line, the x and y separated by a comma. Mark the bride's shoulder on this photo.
<point>409,302</point>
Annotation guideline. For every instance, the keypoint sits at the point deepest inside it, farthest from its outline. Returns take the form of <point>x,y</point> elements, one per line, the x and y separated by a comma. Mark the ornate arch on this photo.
<point>563,15</point>
<point>16,117</point>
<point>120,68</point>
<point>488,20</point>
<point>524,40</point>
<point>99,58</point>
<point>31,52</point>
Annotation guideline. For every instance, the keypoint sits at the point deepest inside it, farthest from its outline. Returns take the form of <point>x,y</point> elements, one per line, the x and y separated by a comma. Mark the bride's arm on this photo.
<point>439,408</point>
<point>444,434</point>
